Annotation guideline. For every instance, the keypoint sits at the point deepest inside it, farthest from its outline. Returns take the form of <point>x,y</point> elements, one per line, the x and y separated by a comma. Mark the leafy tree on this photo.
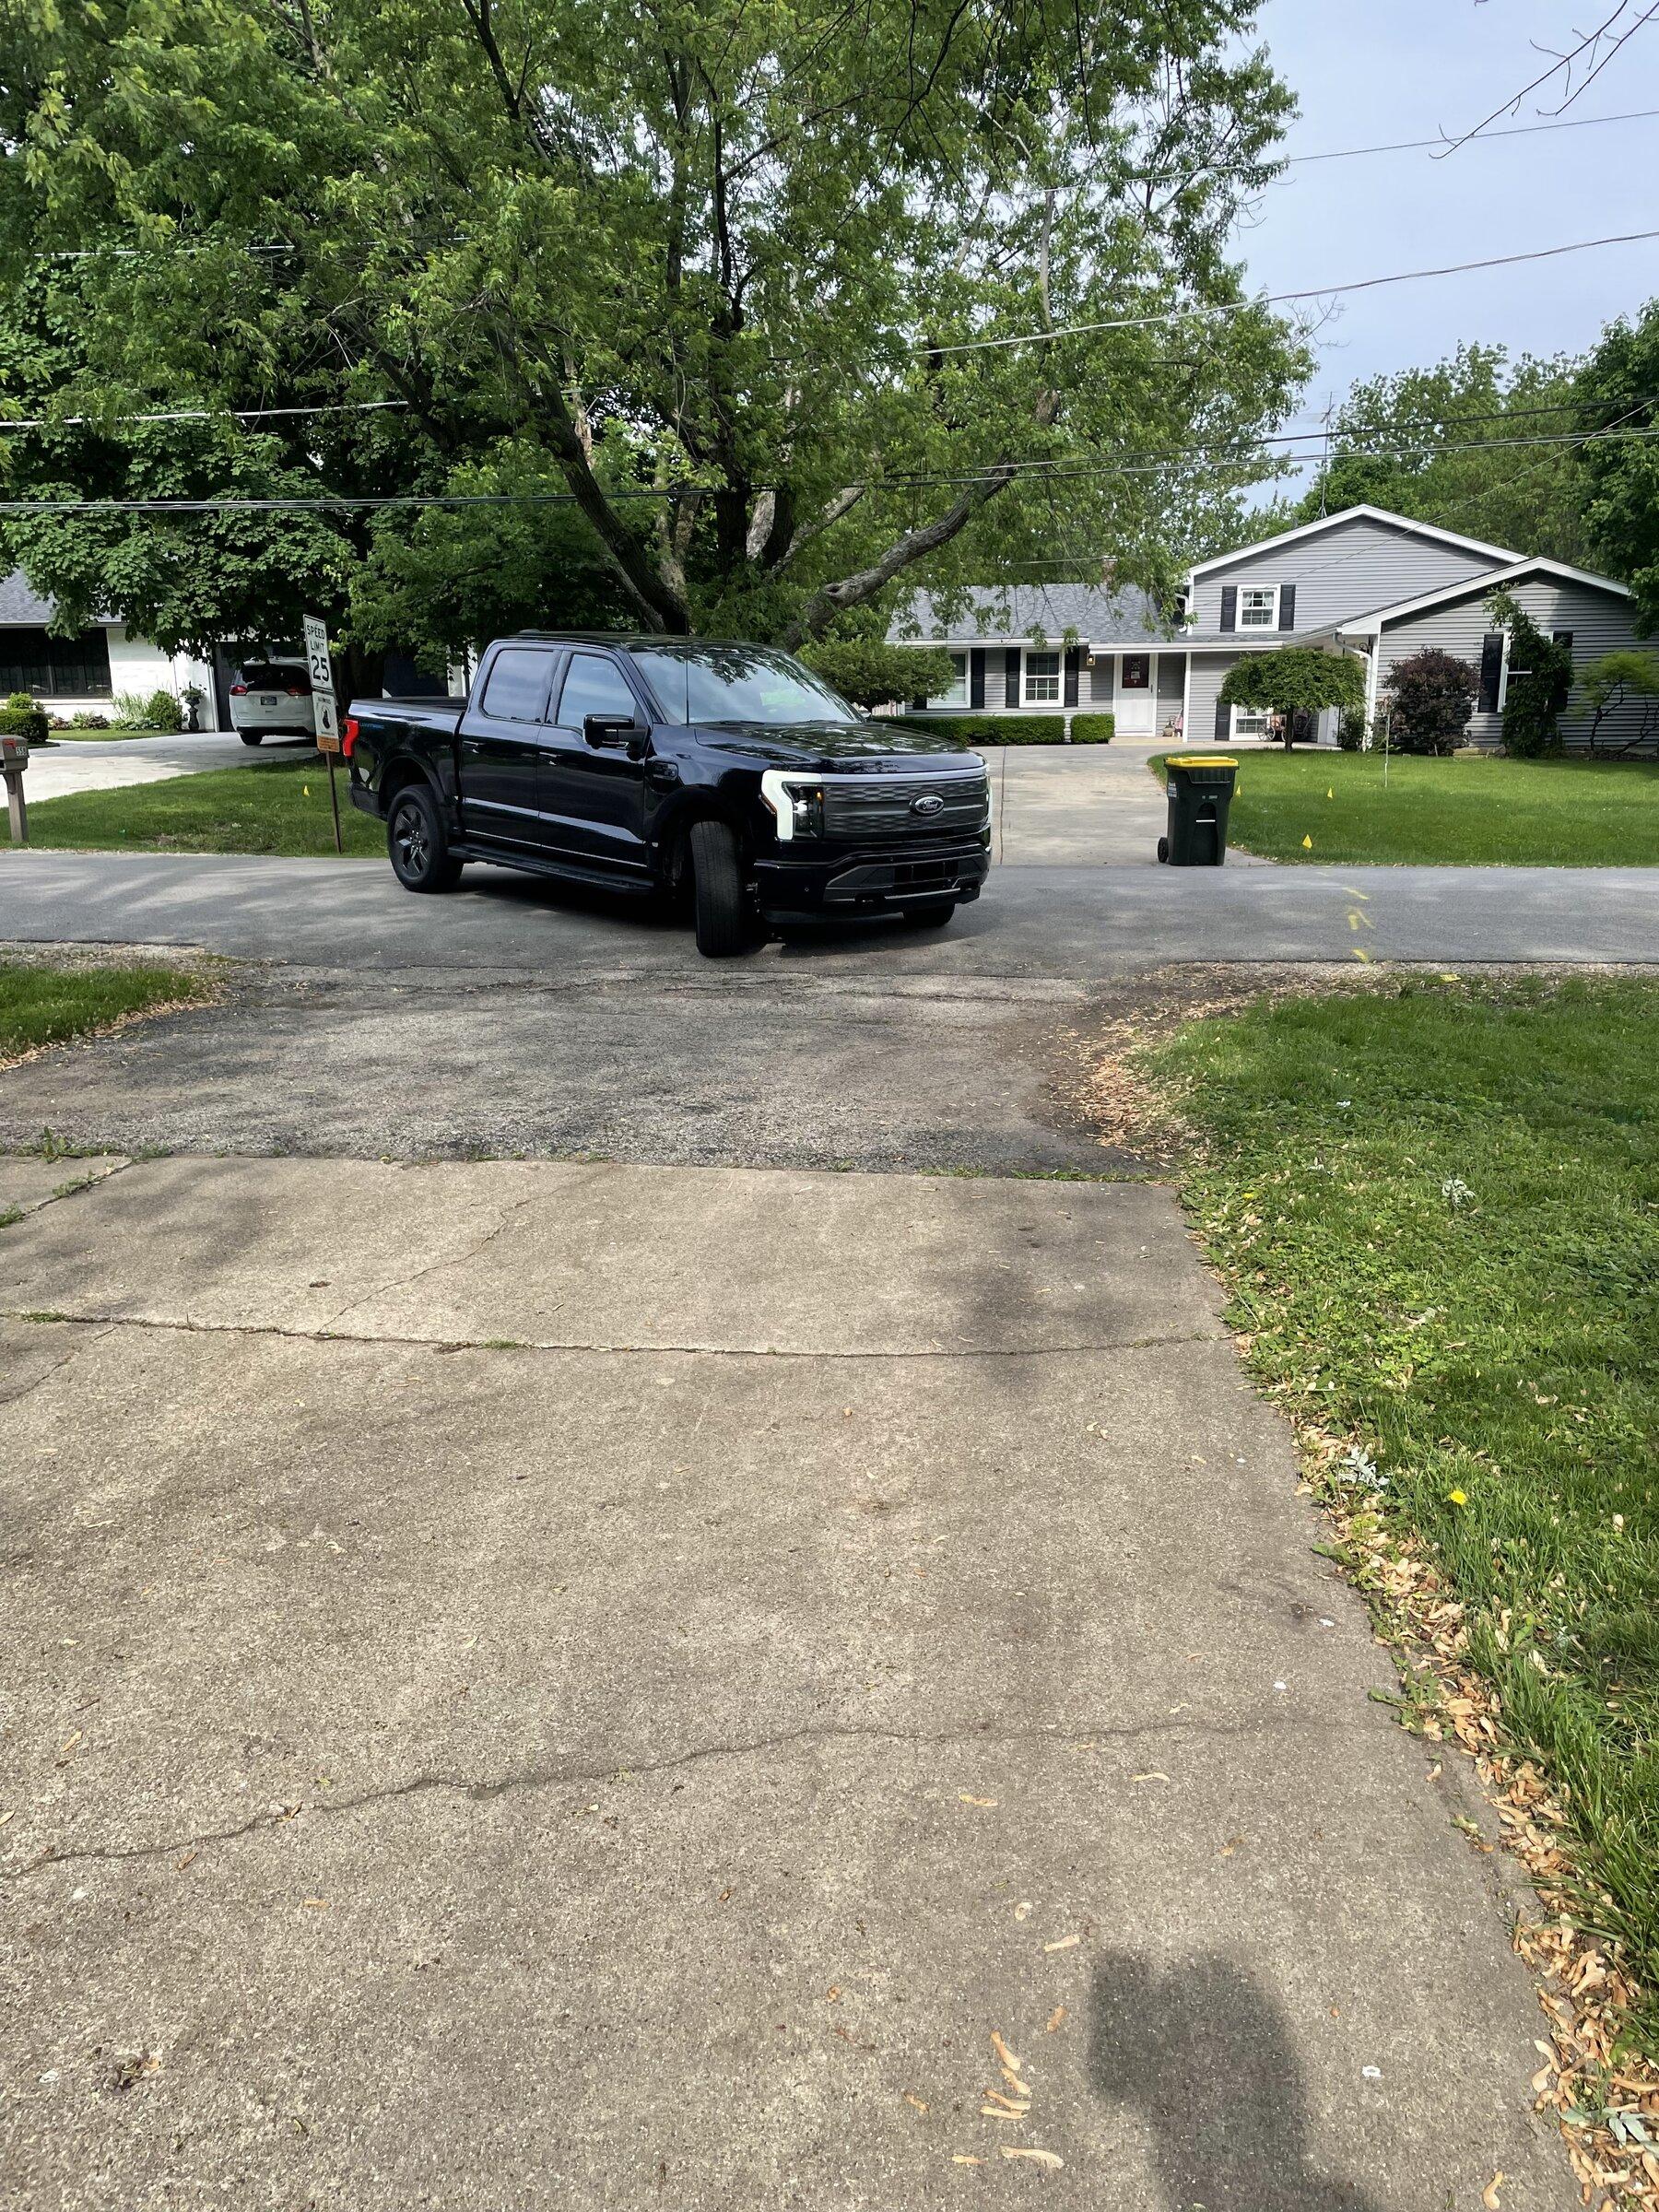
<point>714,267</point>
<point>1612,682</point>
<point>445,580</point>
<point>1623,470</point>
<point>872,674</point>
<point>1433,443</point>
<point>1540,678</point>
<point>1296,680</point>
<point>1433,695</point>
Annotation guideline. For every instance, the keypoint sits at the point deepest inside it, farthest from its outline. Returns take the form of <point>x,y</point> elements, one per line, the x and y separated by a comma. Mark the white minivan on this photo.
<point>272,699</point>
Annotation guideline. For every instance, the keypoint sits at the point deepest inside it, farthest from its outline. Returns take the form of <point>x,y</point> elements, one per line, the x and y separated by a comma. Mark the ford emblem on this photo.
<point>929,803</point>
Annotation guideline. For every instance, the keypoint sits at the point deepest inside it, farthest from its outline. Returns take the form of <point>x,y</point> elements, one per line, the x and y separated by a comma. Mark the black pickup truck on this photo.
<point>726,775</point>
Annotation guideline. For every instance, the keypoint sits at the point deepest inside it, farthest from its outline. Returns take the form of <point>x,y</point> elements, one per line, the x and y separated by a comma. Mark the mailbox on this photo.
<point>13,749</point>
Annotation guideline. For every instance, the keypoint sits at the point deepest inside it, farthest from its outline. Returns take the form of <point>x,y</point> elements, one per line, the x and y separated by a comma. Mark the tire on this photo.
<point>1163,848</point>
<point>929,917</point>
<point>418,844</point>
<point>721,907</point>
<point>249,736</point>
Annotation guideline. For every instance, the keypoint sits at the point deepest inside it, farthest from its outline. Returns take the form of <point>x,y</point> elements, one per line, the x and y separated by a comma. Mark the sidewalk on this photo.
<point>547,1684</point>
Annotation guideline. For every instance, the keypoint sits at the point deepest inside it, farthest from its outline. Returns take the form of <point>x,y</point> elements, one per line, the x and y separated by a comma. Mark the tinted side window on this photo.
<point>592,686</point>
<point>517,688</point>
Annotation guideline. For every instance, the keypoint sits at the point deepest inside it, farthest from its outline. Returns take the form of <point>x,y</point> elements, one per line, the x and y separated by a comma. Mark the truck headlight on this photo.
<point>796,804</point>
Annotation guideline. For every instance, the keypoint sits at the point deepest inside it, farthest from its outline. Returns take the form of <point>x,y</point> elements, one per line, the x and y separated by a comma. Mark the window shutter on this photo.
<point>1074,660</point>
<point>1223,719</point>
<point>1011,677</point>
<point>1288,606</point>
<point>1102,686</point>
<point>976,675</point>
<point>1229,606</point>
<point>1491,671</point>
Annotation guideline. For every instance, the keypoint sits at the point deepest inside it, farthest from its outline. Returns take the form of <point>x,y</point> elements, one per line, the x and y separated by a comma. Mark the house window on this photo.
<point>1258,609</point>
<point>1250,721</point>
<point>33,660</point>
<point>956,694</point>
<point>1042,676</point>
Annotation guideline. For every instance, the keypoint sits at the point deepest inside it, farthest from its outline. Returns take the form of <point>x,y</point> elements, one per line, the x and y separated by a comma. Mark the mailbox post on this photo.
<point>14,759</point>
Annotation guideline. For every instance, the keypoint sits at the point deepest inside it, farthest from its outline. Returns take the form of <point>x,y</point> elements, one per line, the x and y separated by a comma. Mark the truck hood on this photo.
<point>851,747</point>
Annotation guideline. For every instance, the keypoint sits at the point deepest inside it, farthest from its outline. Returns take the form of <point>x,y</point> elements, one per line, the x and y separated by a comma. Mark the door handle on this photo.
<point>662,774</point>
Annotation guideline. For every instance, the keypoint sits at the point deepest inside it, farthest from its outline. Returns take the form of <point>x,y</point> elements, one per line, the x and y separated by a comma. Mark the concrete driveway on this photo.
<point>546,1685</point>
<point>1082,806</point>
<point>72,765</point>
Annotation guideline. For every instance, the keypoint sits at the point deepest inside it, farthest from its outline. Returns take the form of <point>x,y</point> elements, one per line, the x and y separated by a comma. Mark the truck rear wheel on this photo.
<point>417,842</point>
<point>723,921</point>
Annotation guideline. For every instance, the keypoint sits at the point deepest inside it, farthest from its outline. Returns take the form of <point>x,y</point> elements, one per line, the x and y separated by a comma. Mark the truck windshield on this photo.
<point>736,683</point>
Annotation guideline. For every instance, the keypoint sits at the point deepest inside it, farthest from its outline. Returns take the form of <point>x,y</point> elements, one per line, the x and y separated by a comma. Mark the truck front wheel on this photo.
<point>420,849</point>
<point>723,921</point>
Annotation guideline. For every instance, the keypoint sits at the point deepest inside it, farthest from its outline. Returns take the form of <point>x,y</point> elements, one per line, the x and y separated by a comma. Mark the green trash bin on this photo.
<point>1201,788</point>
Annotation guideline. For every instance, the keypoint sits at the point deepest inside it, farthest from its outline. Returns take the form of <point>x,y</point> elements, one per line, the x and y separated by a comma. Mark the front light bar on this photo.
<point>797,803</point>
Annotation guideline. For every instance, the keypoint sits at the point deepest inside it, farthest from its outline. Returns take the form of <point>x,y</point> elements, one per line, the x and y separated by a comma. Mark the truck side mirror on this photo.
<point>619,731</point>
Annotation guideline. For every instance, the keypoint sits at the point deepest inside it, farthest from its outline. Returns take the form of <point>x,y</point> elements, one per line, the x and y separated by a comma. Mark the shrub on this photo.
<point>1350,730</point>
<point>20,699</point>
<point>26,719</point>
<point>990,729</point>
<point>162,712</point>
<point>84,719</point>
<point>1433,695</point>
<point>872,674</point>
<point>129,711</point>
<point>1540,678</point>
<point>1093,729</point>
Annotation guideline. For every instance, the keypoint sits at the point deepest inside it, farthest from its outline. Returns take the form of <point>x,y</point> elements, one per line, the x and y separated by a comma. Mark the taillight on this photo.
<point>239,690</point>
<point>294,691</point>
<point>349,736</point>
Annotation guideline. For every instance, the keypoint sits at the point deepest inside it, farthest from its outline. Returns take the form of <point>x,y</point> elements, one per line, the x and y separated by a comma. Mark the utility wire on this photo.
<point>60,422</point>
<point>1442,144</point>
<point>1321,291</point>
<point>1062,471</point>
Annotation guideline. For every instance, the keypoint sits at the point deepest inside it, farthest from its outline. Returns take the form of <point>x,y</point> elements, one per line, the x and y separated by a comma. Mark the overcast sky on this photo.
<point>1365,71</point>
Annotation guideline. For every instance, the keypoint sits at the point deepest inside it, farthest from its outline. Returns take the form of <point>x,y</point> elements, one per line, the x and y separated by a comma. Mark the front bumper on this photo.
<point>871,877</point>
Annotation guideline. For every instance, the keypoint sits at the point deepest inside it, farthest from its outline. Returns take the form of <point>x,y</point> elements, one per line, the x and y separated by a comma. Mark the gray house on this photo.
<point>1363,580</point>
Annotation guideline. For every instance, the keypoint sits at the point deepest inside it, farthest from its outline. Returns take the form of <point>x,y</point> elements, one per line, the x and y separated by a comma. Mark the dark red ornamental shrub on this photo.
<point>1433,695</point>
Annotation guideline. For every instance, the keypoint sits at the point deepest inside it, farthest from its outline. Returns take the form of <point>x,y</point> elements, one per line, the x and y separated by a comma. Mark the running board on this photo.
<point>562,871</point>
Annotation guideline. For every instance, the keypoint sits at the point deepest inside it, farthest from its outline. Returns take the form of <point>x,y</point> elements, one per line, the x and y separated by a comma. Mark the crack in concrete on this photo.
<point>459,1259</point>
<point>480,1792</point>
<point>324,1334</point>
<point>15,1397</point>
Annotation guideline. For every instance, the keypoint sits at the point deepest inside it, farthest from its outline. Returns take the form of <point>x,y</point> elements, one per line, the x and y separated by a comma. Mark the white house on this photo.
<point>69,676</point>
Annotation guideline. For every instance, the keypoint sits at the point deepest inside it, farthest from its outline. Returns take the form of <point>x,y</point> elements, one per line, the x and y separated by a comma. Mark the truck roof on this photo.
<point>626,638</point>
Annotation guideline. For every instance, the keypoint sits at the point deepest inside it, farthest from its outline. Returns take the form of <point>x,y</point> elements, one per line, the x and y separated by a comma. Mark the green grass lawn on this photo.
<point>45,1006</point>
<point>1525,813</point>
<point>1437,1209</point>
<point>270,806</point>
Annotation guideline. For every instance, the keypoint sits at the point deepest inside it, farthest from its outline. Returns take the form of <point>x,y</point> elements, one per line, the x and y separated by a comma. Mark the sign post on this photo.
<point>325,711</point>
<point>14,759</point>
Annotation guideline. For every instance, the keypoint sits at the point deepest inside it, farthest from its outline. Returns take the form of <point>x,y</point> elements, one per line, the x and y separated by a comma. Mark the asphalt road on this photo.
<point>1063,923</point>
<point>511,1019</point>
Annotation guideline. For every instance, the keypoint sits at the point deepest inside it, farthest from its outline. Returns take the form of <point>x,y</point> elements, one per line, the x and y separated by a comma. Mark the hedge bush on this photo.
<point>872,674</point>
<point>21,717</point>
<point>1093,729</point>
<point>992,729</point>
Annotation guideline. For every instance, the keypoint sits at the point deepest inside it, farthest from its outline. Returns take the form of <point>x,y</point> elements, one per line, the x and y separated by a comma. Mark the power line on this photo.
<point>1413,145</point>
<point>58,422</point>
<point>1321,291</point>
<point>1060,471</point>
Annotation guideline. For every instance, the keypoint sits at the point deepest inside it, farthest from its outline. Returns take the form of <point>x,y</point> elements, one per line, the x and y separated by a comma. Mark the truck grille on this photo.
<point>864,807</point>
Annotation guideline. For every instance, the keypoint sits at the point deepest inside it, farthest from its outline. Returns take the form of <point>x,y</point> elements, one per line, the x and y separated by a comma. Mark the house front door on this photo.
<point>1136,703</point>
